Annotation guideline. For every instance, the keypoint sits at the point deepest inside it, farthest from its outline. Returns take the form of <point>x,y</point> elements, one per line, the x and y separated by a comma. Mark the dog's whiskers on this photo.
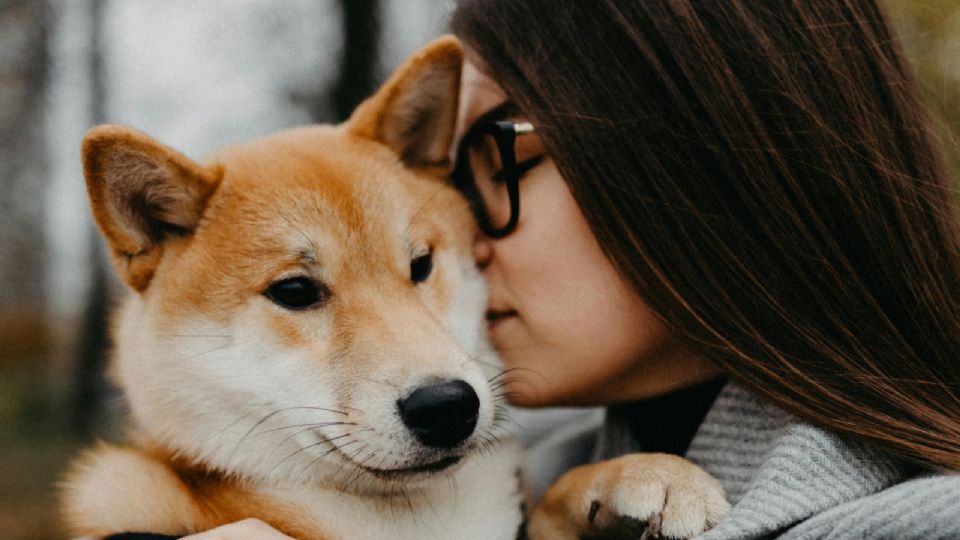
<point>198,336</point>
<point>333,448</point>
<point>496,388</point>
<point>506,397</point>
<point>235,422</point>
<point>484,444</point>
<point>501,373</point>
<point>253,428</point>
<point>348,462</point>
<point>284,441</point>
<point>358,472</point>
<point>328,440</point>
<point>213,350</point>
<point>487,440</point>
<point>499,432</point>
<point>503,418</point>
<point>422,208</point>
<point>508,378</point>
<point>309,427</point>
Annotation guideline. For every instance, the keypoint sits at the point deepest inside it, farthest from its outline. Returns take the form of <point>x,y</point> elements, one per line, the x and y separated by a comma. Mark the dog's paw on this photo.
<point>633,496</point>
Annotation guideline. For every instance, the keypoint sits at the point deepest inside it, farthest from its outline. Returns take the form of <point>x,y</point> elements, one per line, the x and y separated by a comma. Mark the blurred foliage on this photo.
<point>34,442</point>
<point>929,31</point>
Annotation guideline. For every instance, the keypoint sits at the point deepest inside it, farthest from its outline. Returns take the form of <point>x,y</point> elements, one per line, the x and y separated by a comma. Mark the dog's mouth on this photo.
<point>429,468</point>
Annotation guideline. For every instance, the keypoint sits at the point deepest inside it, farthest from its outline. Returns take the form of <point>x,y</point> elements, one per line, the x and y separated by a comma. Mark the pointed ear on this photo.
<point>415,111</point>
<point>142,193</point>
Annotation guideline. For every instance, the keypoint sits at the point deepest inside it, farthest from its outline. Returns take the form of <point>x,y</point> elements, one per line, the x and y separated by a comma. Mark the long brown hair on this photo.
<point>764,175</point>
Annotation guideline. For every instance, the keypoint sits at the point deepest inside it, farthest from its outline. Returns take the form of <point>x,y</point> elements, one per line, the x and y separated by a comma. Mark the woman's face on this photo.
<point>571,331</point>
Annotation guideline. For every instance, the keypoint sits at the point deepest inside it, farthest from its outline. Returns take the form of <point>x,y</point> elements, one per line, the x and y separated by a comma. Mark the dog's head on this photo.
<point>306,305</point>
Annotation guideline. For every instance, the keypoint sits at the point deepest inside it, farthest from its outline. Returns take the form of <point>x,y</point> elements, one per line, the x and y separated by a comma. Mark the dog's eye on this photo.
<point>297,293</point>
<point>421,267</point>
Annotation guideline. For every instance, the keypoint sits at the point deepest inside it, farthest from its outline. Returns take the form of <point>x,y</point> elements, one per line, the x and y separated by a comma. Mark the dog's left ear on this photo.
<point>415,111</point>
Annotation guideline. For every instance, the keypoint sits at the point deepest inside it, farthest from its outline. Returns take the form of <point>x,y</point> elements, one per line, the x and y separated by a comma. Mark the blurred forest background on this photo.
<point>196,75</point>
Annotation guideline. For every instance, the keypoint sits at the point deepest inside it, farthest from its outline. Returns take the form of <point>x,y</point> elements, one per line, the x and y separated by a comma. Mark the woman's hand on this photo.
<point>248,529</point>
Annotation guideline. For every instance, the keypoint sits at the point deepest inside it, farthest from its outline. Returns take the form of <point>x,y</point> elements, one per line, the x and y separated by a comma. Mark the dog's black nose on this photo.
<point>441,415</point>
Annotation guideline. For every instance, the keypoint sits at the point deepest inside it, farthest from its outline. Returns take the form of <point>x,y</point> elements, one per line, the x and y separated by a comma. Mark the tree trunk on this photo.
<point>23,66</point>
<point>361,40</point>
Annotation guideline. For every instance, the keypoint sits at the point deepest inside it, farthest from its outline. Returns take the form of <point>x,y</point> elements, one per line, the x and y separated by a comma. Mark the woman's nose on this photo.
<point>482,251</point>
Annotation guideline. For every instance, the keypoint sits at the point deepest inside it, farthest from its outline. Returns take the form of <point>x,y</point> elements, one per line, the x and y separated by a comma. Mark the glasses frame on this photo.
<point>504,133</point>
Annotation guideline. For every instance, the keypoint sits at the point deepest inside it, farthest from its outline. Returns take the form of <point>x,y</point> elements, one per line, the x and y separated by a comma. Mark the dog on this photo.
<point>305,343</point>
<point>304,340</point>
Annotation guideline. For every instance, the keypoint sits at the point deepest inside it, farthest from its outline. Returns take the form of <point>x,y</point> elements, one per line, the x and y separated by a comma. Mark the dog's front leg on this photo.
<point>633,496</point>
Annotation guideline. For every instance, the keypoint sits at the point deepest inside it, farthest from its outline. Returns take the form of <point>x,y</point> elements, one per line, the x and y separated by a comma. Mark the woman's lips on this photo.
<point>497,317</point>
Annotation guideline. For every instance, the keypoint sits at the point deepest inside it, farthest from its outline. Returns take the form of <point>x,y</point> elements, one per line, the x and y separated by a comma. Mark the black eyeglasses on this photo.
<point>488,175</point>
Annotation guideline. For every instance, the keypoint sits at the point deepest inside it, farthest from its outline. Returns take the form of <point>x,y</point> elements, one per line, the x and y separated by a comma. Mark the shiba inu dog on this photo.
<point>304,340</point>
<point>305,343</point>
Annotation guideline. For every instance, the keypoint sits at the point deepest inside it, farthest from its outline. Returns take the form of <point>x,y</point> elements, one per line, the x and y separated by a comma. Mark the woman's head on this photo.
<point>571,330</point>
<point>760,175</point>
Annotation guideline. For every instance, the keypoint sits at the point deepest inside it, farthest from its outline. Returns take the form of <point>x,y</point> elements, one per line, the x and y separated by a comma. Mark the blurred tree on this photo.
<point>24,30</point>
<point>356,77</point>
<point>90,388</point>
<point>929,31</point>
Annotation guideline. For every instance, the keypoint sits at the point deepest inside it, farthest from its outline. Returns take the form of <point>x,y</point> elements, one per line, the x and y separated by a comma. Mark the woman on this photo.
<point>733,228</point>
<point>763,182</point>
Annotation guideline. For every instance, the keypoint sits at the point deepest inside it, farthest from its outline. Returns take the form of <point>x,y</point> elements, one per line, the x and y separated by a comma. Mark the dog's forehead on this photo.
<point>301,185</point>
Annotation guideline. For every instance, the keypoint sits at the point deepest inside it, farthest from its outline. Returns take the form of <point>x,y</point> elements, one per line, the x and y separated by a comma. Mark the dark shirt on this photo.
<point>668,423</point>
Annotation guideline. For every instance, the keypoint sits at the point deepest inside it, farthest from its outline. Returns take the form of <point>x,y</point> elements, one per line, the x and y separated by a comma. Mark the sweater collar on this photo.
<point>778,470</point>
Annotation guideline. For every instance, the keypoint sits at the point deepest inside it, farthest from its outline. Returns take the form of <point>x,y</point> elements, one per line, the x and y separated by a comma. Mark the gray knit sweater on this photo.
<point>785,478</point>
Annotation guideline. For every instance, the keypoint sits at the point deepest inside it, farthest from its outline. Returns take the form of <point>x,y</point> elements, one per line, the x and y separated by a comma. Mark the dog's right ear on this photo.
<point>415,111</point>
<point>142,193</point>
